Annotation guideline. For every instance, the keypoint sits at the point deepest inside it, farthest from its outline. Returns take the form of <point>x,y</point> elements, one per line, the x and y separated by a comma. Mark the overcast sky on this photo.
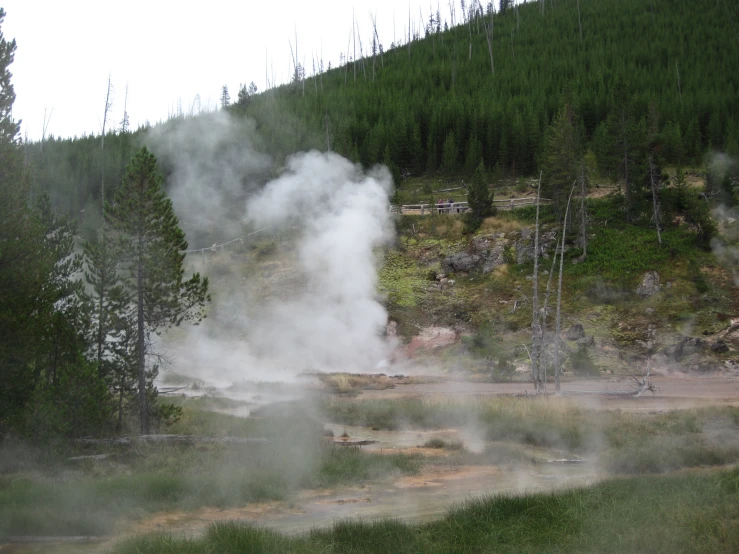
<point>168,52</point>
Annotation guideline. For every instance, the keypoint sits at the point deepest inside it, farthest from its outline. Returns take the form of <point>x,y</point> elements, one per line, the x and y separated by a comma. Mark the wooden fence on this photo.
<point>461,207</point>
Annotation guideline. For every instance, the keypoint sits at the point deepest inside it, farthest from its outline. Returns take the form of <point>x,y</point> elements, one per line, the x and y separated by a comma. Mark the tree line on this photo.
<point>488,88</point>
<point>77,317</point>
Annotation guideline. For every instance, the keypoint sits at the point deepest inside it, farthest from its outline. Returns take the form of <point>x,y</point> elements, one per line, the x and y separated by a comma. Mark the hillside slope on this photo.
<point>434,105</point>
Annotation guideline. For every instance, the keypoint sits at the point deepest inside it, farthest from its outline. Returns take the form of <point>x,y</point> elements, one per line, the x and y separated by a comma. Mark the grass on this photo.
<point>630,443</point>
<point>221,477</point>
<point>688,513</point>
<point>53,496</point>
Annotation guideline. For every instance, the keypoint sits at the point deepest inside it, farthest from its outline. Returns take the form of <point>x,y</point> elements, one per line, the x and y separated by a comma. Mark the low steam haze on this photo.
<point>323,218</point>
<point>170,52</point>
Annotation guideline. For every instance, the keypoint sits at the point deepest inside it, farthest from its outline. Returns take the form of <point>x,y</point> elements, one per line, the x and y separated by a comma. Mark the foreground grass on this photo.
<point>91,506</point>
<point>623,442</point>
<point>46,494</point>
<point>689,513</point>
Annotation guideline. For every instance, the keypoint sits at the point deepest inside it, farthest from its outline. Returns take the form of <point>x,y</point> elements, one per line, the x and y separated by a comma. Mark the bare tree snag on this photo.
<point>489,35</point>
<point>652,169</point>
<point>583,212</point>
<point>579,20</point>
<point>679,90</point>
<point>557,365</point>
<point>643,384</point>
<point>543,318</point>
<point>45,127</point>
<point>535,325</point>
<point>108,105</point>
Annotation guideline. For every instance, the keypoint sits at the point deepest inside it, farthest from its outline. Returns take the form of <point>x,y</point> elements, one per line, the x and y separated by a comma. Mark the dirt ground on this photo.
<point>674,392</point>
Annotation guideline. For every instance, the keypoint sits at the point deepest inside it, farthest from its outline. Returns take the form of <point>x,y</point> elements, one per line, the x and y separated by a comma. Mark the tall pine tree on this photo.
<point>150,244</point>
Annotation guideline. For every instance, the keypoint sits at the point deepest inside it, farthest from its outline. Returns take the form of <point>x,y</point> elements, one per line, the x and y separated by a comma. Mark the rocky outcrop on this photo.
<point>686,347</point>
<point>488,252</point>
<point>575,332</point>
<point>719,347</point>
<point>649,285</point>
<point>462,262</point>
<point>586,341</point>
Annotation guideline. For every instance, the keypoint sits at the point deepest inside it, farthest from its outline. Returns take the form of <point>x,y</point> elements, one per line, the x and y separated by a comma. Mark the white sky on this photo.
<point>170,51</point>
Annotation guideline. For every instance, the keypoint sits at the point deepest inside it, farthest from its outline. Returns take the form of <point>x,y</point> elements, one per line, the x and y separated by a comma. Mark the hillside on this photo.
<point>434,106</point>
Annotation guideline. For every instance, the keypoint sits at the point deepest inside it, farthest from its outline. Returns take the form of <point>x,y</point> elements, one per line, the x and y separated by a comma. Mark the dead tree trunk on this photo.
<point>579,20</point>
<point>489,30</point>
<point>652,169</point>
<point>557,366</point>
<point>543,319</point>
<point>643,385</point>
<point>354,59</point>
<point>45,128</point>
<point>535,325</point>
<point>102,150</point>
<point>583,213</point>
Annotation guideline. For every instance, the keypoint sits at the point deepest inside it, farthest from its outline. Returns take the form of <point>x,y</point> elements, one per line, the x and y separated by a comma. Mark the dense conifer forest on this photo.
<point>442,102</point>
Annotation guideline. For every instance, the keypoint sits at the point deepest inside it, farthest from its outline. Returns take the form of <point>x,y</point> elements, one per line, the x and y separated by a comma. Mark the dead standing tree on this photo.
<point>106,111</point>
<point>489,35</point>
<point>583,182</point>
<point>654,180</point>
<point>557,364</point>
<point>536,328</point>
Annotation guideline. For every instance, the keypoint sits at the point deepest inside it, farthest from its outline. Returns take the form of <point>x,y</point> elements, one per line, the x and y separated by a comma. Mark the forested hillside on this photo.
<point>444,101</point>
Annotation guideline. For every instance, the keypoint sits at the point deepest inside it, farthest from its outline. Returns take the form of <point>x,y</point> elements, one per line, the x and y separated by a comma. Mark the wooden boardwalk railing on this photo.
<point>461,207</point>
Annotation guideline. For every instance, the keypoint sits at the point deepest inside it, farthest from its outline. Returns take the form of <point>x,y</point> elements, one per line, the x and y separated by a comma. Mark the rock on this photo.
<point>649,285</point>
<point>586,341</point>
<point>693,345</point>
<point>685,347</point>
<point>575,332</point>
<point>719,347</point>
<point>462,261</point>
<point>650,311</point>
<point>391,329</point>
<point>440,276</point>
<point>495,258</point>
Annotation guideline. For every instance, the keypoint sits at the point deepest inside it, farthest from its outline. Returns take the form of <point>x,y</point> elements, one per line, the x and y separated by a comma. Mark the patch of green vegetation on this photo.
<point>351,465</point>
<point>619,438</point>
<point>402,280</point>
<point>57,496</point>
<point>623,255</point>
<point>441,443</point>
<point>694,513</point>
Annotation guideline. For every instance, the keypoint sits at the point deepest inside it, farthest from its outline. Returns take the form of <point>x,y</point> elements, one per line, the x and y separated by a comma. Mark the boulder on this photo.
<point>495,258</point>
<point>719,347</point>
<point>586,341</point>
<point>649,285</point>
<point>461,261</point>
<point>685,347</point>
<point>575,332</point>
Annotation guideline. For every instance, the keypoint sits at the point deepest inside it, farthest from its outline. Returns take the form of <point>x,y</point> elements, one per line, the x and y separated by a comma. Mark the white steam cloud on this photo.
<point>325,217</point>
<point>212,162</point>
<point>343,216</point>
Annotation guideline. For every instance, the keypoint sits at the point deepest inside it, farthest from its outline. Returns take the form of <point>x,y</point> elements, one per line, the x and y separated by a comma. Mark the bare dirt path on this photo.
<point>674,392</point>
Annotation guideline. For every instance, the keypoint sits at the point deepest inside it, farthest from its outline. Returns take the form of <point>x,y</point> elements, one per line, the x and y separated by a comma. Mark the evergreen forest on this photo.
<point>443,101</point>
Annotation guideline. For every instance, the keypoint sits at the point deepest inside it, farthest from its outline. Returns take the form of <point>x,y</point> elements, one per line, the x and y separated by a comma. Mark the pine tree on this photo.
<point>150,243</point>
<point>9,129</point>
<point>560,158</point>
<point>479,198</point>
<point>22,262</point>
<point>449,154</point>
<point>225,97</point>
